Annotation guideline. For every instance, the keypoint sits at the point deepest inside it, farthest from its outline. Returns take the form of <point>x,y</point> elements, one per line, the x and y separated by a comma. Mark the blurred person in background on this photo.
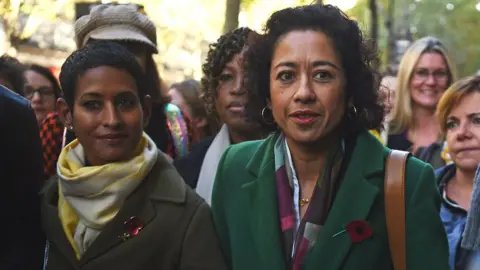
<point>425,72</point>
<point>186,95</point>
<point>459,117</point>
<point>117,202</point>
<point>388,92</point>
<point>169,128</point>
<point>225,97</point>
<point>43,90</point>
<point>387,96</point>
<point>11,74</point>
<point>21,175</point>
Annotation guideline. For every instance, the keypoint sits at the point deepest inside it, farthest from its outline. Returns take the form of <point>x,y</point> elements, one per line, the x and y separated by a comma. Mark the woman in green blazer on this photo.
<point>310,196</point>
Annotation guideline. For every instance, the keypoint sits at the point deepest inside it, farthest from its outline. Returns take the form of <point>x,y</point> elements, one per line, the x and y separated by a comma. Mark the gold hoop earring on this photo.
<point>264,118</point>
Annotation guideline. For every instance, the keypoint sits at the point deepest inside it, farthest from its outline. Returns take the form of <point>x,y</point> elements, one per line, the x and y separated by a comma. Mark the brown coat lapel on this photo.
<point>162,188</point>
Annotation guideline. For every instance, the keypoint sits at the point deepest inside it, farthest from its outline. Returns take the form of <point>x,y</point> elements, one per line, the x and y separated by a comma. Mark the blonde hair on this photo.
<point>402,115</point>
<point>453,95</point>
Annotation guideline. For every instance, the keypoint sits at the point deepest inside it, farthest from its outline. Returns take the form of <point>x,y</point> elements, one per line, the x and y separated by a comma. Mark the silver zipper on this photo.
<point>45,255</point>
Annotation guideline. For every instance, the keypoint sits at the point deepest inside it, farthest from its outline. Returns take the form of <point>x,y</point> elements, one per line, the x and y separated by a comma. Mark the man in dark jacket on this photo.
<point>21,168</point>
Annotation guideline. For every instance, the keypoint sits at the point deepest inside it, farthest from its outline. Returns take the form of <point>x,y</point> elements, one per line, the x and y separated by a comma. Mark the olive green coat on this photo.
<point>178,232</point>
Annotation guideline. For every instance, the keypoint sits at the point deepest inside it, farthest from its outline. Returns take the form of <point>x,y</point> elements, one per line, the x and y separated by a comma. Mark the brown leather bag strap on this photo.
<point>395,207</point>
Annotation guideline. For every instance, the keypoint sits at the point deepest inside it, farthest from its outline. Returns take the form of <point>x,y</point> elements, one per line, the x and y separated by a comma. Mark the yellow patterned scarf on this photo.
<point>91,196</point>
<point>446,154</point>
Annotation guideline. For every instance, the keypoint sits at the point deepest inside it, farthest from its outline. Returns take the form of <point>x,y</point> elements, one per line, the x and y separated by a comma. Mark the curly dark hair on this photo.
<point>219,54</point>
<point>358,57</point>
<point>96,54</point>
<point>12,70</point>
<point>45,72</point>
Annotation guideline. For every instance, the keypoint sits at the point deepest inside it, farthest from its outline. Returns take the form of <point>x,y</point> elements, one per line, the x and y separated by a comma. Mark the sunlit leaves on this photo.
<point>455,22</point>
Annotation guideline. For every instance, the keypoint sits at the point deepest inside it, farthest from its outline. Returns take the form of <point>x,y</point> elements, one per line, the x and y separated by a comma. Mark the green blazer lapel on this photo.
<point>264,217</point>
<point>162,184</point>
<point>353,202</point>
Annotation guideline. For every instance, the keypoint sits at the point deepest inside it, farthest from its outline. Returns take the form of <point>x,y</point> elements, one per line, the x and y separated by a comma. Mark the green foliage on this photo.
<point>457,28</point>
<point>247,4</point>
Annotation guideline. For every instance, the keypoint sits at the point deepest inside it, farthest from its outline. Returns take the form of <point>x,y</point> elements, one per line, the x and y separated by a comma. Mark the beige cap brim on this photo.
<point>120,32</point>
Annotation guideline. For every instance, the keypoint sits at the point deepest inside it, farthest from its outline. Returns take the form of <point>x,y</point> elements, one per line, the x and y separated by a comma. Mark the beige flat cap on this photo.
<point>116,22</point>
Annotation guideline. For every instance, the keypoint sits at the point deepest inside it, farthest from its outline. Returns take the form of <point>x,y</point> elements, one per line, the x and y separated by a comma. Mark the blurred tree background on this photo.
<point>42,31</point>
<point>454,22</point>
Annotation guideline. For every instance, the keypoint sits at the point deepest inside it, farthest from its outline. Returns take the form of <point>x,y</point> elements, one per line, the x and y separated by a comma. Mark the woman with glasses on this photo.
<point>424,73</point>
<point>42,89</point>
<point>387,96</point>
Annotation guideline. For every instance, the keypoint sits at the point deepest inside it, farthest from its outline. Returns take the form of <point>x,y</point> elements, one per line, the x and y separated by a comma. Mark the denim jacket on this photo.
<point>454,219</point>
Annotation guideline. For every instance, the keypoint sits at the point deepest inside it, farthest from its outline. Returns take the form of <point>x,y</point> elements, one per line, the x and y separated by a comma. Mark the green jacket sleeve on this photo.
<point>219,206</point>
<point>427,245</point>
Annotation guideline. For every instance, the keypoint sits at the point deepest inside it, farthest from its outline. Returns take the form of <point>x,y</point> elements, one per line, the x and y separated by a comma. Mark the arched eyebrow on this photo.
<point>315,64</point>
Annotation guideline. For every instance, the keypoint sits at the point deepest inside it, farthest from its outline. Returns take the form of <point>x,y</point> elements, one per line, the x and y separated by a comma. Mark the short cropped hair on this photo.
<point>96,54</point>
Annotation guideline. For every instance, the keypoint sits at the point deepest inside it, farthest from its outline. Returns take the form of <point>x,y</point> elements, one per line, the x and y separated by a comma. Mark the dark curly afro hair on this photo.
<point>219,54</point>
<point>358,57</point>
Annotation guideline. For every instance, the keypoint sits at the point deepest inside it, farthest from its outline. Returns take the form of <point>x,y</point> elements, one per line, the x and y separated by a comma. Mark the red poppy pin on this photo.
<point>132,227</point>
<point>358,230</point>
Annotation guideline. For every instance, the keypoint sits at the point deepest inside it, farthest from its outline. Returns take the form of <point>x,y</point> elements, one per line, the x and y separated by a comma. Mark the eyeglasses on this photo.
<point>44,92</point>
<point>423,74</point>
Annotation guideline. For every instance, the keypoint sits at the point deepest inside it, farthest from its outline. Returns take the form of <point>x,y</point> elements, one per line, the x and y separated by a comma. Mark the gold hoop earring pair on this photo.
<point>265,120</point>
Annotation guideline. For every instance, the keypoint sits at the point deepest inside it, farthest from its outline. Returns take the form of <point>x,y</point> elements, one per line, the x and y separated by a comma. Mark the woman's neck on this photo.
<point>238,137</point>
<point>425,128</point>
<point>464,179</point>
<point>310,159</point>
<point>424,118</point>
<point>200,133</point>
<point>243,135</point>
<point>460,188</point>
